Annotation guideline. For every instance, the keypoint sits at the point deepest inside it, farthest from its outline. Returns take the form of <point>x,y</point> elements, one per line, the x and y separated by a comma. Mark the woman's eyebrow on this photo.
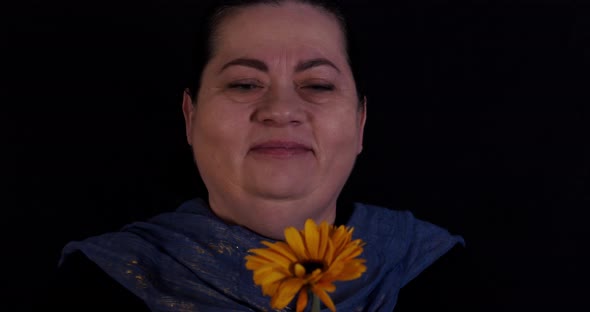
<point>261,66</point>
<point>248,62</point>
<point>305,65</point>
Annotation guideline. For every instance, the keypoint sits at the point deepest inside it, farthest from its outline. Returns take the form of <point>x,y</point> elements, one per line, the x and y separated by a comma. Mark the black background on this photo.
<point>478,116</point>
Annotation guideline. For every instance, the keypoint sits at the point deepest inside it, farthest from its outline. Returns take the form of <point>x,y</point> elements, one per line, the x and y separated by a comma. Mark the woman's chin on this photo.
<point>280,192</point>
<point>285,185</point>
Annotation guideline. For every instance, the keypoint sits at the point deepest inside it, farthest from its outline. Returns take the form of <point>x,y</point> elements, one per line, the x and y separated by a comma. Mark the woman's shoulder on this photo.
<point>412,243</point>
<point>80,285</point>
<point>398,225</point>
<point>431,260</point>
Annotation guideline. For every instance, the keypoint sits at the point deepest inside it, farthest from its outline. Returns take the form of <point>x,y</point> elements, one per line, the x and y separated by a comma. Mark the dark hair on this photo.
<point>214,14</point>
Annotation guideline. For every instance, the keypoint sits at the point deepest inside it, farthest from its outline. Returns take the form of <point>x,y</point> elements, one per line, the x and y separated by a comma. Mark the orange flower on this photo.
<point>309,260</point>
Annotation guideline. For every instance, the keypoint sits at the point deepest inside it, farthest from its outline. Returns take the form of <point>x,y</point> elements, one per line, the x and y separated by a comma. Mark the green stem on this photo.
<point>315,303</point>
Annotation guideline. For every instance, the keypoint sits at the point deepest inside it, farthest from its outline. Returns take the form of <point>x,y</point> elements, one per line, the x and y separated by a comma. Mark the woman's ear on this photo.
<point>188,109</point>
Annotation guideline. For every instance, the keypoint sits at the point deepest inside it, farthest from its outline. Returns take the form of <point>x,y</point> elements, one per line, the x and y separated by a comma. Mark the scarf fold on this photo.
<point>190,260</point>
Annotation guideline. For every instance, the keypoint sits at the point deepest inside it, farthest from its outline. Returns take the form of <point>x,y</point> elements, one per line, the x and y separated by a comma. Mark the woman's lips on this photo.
<point>280,149</point>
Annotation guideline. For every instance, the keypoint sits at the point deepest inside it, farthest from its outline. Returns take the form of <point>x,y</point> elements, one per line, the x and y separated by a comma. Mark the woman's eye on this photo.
<point>243,86</point>
<point>245,91</point>
<point>320,87</point>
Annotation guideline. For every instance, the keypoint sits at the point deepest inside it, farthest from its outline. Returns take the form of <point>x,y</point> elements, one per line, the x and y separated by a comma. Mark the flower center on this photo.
<point>301,269</point>
<point>311,266</point>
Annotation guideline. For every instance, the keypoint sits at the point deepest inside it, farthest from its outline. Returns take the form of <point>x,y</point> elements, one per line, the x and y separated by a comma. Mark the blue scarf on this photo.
<point>190,260</point>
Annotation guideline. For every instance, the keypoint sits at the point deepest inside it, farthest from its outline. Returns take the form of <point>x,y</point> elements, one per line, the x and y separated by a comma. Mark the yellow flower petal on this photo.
<point>329,287</point>
<point>333,270</point>
<point>255,262</point>
<point>349,252</point>
<point>324,238</point>
<point>272,257</point>
<point>268,275</point>
<point>340,237</point>
<point>324,297</point>
<point>315,276</point>
<point>352,271</point>
<point>281,248</point>
<point>286,292</point>
<point>270,289</point>
<point>293,238</point>
<point>302,300</point>
<point>329,256</point>
<point>312,239</point>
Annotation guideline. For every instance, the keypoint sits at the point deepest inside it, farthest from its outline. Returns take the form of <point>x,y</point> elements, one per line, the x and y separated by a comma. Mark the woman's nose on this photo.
<point>282,107</point>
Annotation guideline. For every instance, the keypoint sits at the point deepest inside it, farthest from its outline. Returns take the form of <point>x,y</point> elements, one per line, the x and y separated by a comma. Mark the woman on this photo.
<point>275,122</point>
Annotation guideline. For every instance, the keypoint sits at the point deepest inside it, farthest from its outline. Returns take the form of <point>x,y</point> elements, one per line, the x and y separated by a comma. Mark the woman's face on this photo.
<point>276,127</point>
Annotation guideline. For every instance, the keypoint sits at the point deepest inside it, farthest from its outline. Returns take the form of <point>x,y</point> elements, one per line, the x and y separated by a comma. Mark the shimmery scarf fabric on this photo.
<point>190,260</point>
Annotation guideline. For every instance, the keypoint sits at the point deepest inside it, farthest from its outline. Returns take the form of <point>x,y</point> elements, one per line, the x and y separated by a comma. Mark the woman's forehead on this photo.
<point>287,30</point>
